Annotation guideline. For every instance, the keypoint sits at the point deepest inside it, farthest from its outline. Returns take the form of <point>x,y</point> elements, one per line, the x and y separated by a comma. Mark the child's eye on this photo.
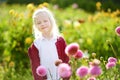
<point>38,22</point>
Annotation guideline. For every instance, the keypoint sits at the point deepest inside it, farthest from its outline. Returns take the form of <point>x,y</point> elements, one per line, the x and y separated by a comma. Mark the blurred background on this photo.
<point>84,4</point>
<point>89,23</point>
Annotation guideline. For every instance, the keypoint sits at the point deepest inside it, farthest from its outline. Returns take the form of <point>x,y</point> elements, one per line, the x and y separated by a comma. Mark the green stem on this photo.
<point>74,65</point>
<point>113,50</point>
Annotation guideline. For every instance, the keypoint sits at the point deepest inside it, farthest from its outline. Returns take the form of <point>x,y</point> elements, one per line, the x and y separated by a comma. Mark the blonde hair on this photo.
<point>36,32</point>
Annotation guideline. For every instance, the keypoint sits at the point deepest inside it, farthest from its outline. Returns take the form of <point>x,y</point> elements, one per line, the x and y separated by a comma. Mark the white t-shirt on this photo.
<point>48,55</point>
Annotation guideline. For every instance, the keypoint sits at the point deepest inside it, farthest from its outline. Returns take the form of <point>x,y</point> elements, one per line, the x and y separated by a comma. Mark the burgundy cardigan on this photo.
<point>35,60</point>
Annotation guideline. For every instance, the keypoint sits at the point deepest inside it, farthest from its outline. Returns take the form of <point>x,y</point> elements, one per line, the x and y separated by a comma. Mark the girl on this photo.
<point>48,46</point>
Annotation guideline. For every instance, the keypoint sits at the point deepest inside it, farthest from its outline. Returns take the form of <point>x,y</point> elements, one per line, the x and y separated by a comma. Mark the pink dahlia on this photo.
<point>117,30</point>
<point>95,70</point>
<point>71,49</point>
<point>78,54</point>
<point>110,65</point>
<point>82,71</point>
<point>112,59</point>
<point>41,71</point>
<point>64,70</point>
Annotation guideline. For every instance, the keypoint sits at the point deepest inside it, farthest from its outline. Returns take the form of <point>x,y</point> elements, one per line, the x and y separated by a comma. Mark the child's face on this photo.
<point>42,22</point>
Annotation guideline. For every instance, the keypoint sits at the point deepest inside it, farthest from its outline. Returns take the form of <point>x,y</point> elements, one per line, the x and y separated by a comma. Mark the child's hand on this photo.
<point>57,62</point>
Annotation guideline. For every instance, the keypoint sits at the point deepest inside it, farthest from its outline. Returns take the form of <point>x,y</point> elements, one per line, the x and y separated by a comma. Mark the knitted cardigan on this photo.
<point>35,59</point>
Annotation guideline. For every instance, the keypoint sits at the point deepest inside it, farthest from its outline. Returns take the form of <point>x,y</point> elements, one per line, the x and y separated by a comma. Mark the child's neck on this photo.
<point>47,35</point>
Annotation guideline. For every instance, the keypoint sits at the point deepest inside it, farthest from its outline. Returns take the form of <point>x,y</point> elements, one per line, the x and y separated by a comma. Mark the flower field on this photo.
<point>97,34</point>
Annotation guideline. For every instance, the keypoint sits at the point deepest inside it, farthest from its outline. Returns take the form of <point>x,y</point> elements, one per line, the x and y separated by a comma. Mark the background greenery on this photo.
<point>84,4</point>
<point>94,32</point>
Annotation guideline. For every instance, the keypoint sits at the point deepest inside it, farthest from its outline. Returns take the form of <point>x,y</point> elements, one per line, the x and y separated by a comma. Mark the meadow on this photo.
<point>93,31</point>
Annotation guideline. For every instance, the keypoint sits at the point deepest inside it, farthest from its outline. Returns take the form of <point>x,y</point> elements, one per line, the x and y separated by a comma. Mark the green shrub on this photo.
<point>84,4</point>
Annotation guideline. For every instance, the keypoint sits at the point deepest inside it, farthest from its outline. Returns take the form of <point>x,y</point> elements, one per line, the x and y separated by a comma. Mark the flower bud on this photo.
<point>117,30</point>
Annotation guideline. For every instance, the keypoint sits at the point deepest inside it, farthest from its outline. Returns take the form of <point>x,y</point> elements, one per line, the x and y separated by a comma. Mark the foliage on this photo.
<point>90,7</point>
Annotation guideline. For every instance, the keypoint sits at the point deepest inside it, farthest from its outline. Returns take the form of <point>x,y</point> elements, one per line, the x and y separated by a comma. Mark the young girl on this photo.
<point>48,46</point>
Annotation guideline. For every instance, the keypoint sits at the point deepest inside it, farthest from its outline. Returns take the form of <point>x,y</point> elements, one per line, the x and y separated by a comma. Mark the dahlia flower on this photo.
<point>110,65</point>
<point>82,71</point>
<point>78,54</point>
<point>117,30</point>
<point>95,70</point>
<point>112,59</point>
<point>71,49</point>
<point>64,70</point>
<point>41,71</point>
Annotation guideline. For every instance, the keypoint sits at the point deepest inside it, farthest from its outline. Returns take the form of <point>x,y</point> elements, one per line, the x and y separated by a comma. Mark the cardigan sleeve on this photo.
<point>35,61</point>
<point>65,57</point>
<point>61,45</point>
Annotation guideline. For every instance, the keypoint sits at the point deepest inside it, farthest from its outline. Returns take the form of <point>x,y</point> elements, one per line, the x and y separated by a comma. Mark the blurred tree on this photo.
<point>84,4</point>
<point>23,1</point>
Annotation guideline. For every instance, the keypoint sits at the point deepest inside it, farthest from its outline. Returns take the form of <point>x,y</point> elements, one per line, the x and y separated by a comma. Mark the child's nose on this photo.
<point>42,24</point>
